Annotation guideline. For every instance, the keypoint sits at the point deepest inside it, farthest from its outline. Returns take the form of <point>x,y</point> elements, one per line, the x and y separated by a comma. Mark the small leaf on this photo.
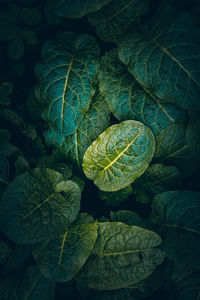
<point>16,48</point>
<point>6,89</point>
<point>29,36</point>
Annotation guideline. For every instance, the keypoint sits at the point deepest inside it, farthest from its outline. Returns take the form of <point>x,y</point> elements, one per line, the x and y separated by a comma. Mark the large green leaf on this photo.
<point>123,255</point>
<point>27,285</point>
<point>112,20</point>
<point>179,212</point>
<point>128,100</point>
<point>94,122</point>
<point>164,58</point>
<point>61,258</point>
<point>67,78</point>
<point>119,155</point>
<point>38,205</point>
<point>75,9</point>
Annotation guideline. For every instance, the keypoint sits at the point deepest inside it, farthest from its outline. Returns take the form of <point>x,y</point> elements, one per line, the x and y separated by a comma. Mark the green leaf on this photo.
<point>94,122</point>
<point>5,18</point>
<point>41,206</point>
<point>16,48</point>
<point>128,100</point>
<point>61,258</point>
<point>179,211</point>
<point>126,216</point>
<point>155,60</point>
<point>158,178</point>
<point>119,155</point>
<point>113,20</point>
<point>8,33</point>
<point>27,285</point>
<point>75,9</point>
<point>67,78</point>
<point>117,197</point>
<point>31,16</point>
<point>122,256</point>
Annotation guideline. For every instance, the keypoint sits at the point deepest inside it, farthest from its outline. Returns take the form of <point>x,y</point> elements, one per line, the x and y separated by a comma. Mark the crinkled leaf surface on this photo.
<point>75,9</point>
<point>129,100</point>
<point>126,216</point>
<point>164,59</point>
<point>61,258</point>
<point>94,122</point>
<point>67,78</point>
<point>123,255</point>
<point>38,205</point>
<point>4,252</point>
<point>112,20</point>
<point>119,155</point>
<point>179,211</point>
<point>116,198</point>
<point>29,285</point>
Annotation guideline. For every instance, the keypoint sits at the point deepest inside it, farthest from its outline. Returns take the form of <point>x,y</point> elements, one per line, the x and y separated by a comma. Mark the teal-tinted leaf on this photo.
<point>187,281</point>
<point>6,89</point>
<point>165,60</point>
<point>67,78</point>
<point>8,33</point>
<point>94,122</point>
<point>29,285</point>
<point>117,197</point>
<point>4,252</point>
<point>31,16</point>
<point>112,20</point>
<point>158,178</point>
<point>4,170</point>
<point>50,16</point>
<point>84,218</point>
<point>126,216</point>
<point>41,206</point>
<point>79,180</point>
<point>16,48</point>
<point>179,211</point>
<point>128,100</point>
<point>119,155</point>
<point>29,35</point>
<point>123,255</point>
<point>61,258</point>
<point>76,9</point>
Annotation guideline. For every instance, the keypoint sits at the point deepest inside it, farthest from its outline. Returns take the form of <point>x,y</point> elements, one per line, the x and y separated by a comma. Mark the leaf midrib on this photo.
<point>119,155</point>
<point>125,252</point>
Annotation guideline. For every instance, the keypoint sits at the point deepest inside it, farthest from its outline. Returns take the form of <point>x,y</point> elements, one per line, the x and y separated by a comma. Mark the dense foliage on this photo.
<point>100,150</point>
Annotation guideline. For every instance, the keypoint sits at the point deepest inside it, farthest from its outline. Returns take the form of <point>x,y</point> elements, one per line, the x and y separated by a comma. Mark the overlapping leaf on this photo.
<point>37,205</point>
<point>119,155</point>
<point>61,258</point>
<point>112,20</point>
<point>164,59</point>
<point>123,255</point>
<point>67,78</point>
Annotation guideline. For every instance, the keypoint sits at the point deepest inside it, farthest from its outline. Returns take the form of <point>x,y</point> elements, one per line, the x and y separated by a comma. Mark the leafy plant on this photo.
<point>99,150</point>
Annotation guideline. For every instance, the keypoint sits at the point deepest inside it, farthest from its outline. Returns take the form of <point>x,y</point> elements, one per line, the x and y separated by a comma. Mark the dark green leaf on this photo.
<point>61,258</point>
<point>126,216</point>
<point>29,35</point>
<point>75,9</point>
<point>112,20</point>
<point>117,197</point>
<point>16,48</point>
<point>41,206</point>
<point>8,33</point>
<point>31,16</point>
<point>164,59</point>
<point>123,255</point>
